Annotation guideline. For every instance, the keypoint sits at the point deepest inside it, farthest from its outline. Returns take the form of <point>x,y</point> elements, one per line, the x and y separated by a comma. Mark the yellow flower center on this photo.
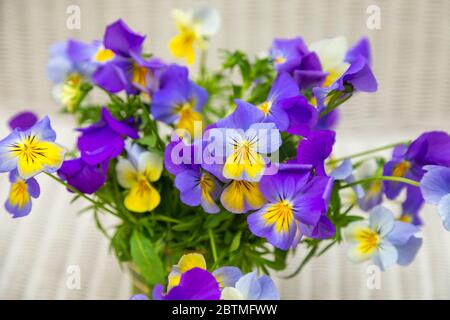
<point>29,148</point>
<point>280,59</point>
<point>368,240</point>
<point>280,214</point>
<point>265,107</point>
<point>19,194</point>
<point>189,120</point>
<point>139,75</point>
<point>104,55</point>
<point>401,168</point>
<point>375,188</point>
<point>406,217</point>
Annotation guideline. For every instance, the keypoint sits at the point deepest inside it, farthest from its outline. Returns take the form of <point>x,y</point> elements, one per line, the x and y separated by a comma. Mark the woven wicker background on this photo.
<point>411,62</point>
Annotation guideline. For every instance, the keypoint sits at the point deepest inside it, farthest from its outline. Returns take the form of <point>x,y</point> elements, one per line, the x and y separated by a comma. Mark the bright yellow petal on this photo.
<point>191,121</point>
<point>182,46</point>
<point>37,156</point>
<point>241,196</point>
<point>142,197</point>
<point>186,263</point>
<point>19,195</point>
<point>190,261</point>
<point>126,173</point>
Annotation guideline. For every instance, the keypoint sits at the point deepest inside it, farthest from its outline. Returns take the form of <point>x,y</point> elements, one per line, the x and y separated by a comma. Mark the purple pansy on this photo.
<point>435,187</point>
<point>84,177</point>
<point>105,139</point>
<point>293,56</point>
<point>279,100</point>
<point>18,203</point>
<point>195,284</point>
<point>128,70</point>
<point>430,148</point>
<point>296,203</point>
<point>179,99</point>
<point>196,186</point>
<point>303,117</point>
<point>412,205</point>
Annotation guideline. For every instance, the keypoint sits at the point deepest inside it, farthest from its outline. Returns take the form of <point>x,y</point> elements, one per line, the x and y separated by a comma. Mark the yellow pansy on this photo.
<point>137,174</point>
<point>194,28</point>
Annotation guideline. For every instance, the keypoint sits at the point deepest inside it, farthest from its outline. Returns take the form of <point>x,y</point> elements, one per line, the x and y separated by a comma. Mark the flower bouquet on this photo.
<point>216,178</point>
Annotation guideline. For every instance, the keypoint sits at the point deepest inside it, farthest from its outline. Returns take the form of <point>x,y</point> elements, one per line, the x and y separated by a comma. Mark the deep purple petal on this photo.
<point>121,39</point>
<point>23,120</point>
<point>361,48</point>
<point>82,176</point>
<point>315,148</point>
<point>195,284</point>
<point>110,77</point>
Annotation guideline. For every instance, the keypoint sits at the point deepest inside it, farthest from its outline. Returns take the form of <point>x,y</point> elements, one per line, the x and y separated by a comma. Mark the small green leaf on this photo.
<point>236,242</point>
<point>147,259</point>
<point>149,140</point>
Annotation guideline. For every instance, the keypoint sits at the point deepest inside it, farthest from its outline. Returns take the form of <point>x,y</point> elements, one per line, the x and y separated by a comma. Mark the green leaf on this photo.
<point>149,140</point>
<point>147,259</point>
<point>236,242</point>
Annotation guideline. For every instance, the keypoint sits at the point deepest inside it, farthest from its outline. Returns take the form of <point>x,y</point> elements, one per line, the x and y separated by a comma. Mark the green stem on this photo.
<point>360,154</point>
<point>213,245</point>
<point>202,71</point>
<point>95,203</point>
<point>385,178</point>
<point>334,106</point>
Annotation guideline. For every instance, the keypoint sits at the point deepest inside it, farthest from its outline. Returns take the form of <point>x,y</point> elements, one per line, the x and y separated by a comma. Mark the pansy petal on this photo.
<point>227,276</point>
<point>444,211</point>
<point>408,251</point>
<point>435,184</point>
<point>268,289</point>
<point>230,293</point>
<point>151,163</point>
<point>249,286</point>
<point>242,196</point>
<point>142,197</point>
<point>386,255</point>
<point>126,173</point>
<point>381,220</point>
<point>401,233</point>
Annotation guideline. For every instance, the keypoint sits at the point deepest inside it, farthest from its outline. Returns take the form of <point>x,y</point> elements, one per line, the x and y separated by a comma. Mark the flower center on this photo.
<point>139,75</point>
<point>29,148</point>
<point>401,169</point>
<point>280,214</point>
<point>104,55</point>
<point>265,107</point>
<point>368,240</point>
<point>280,59</point>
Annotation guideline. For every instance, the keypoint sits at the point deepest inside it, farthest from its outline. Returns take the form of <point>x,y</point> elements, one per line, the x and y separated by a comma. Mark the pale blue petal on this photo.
<point>268,289</point>
<point>381,220</point>
<point>408,251</point>
<point>386,255</point>
<point>444,211</point>
<point>249,286</point>
<point>227,276</point>
<point>401,233</point>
